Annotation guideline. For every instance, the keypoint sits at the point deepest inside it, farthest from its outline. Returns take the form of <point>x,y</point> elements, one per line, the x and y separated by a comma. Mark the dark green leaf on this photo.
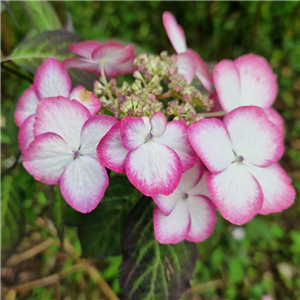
<point>42,15</point>
<point>31,53</point>
<point>149,270</point>
<point>12,219</point>
<point>100,231</point>
<point>80,77</point>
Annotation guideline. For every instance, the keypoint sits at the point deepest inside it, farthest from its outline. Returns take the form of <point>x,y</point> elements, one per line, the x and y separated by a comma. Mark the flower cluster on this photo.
<point>191,152</point>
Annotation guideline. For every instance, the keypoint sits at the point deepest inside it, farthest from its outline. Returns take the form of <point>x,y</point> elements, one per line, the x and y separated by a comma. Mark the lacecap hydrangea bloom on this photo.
<point>193,153</point>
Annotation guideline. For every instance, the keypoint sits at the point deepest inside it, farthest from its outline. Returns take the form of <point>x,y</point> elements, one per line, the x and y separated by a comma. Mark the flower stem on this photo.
<point>165,95</point>
<point>16,72</point>
<point>105,82</point>
<point>213,114</point>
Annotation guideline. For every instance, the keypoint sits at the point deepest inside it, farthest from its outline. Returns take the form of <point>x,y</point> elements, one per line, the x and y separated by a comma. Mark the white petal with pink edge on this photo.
<point>249,80</point>
<point>186,67</point>
<point>25,134</point>
<point>226,79</point>
<point>113,53</point>
<point>253,136</point>
<point>112,70</point>
<point>134,132</point>
<point>203,218</point>
<point>85,49</point>
<point>173,228</point>
<point>175,137</point>
<point>47,157</point>
<point>86,65</point>
<point>276,186</point>
<point>66,119</point>
<point>110,150</point>
<point>166,204</point>
<point>83,183</point>
<point>190,178</point>
<point>93,131</point>
<point>236,193</point>
<point>158,124</point>
<point>275,118</point>
<point>175,32</point>
<point>26,106</point>
<point>211,142</point>
<point>87,98</point>
<point>153,169</point>
<point>202,73</point>
<point>258,82</point>
<point>201,187</point>
<point>52,80</point>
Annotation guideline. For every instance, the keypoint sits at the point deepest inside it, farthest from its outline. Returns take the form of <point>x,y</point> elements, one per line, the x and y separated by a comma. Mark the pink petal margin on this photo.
<point>25,134</point>
<point>52,80</point>
<point>249,80</point>
<point>47,157</point>
<point>279,194</point>
<point>26,106</point>
<point>236,193</point>
<point>153,169</point>
<point>94,129</point>
<point>85,49</point>
<point>83,183</point>
<point>87,98</point>
<point>113,53</point>
<point>110,150</point>
<point>173,228</point>
<point>210,139</point>
<point>276,119</point>
<point>203,218</point>
<point>175,32</point>
<point>202,73</point>
<point>175,137</point>
<point>254,136</point>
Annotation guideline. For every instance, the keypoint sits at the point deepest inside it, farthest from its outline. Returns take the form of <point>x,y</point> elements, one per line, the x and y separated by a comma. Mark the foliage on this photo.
<point>42,15</point>
<point>150,270</point>
<point>11,217</point>
<point>111,214</point>
<point>31,53</point>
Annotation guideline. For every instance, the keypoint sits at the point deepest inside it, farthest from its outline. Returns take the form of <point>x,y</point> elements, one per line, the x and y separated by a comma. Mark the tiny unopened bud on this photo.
<point>130,112</point>
<point>180,109</point>
<point>185,97</point>
<point>177,88</point>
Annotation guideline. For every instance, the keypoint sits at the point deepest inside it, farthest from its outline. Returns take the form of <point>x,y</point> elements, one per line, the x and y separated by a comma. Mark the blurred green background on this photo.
<point>262,257</point>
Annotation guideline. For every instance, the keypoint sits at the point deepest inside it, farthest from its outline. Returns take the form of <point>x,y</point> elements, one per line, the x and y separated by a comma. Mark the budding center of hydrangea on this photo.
<point>239,158</point>
<point>185,196</point>
<point>149,137</point>
<point>76,153</point>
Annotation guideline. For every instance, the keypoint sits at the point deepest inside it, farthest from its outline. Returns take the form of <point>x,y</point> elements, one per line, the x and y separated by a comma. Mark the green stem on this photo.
<point>213,114</point>
<point>17,73</point>
<point>165,95</point>
<point>103,77</point>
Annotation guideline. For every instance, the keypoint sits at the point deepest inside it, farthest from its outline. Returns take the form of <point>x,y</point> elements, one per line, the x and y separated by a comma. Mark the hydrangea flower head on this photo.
<point>242,155</point>
<point>64,151</point>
